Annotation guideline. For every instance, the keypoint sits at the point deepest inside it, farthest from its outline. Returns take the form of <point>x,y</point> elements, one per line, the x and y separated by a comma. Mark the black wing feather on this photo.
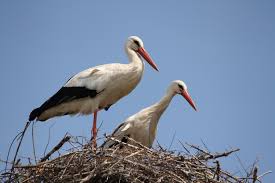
<point>65,94</point>
<point>124,138</point>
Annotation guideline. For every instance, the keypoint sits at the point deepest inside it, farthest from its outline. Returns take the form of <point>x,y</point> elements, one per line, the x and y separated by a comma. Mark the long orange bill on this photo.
<point>186,95</point>
<point>147,57</point>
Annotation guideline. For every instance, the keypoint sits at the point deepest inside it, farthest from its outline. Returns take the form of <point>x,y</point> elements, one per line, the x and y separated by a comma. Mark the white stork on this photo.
<point>142,126</point>
<point>97,88</point>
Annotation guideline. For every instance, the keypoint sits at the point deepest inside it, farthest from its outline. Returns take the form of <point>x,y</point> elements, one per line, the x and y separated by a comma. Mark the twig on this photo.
<point>66,167</point>
<point>199,149</point>
<point>49,137</point>
<point>33,144</point>
<point>213,156</point>
<point>268,172</point>
<point>184,147</point>
<point>56,148</point>
<point>218,155</point>
<point>3,161</point>
<point>91,174</point>
<point>7,159</point>
<point>255,177</point>
<point>47,162</point>
<point>18,147</point>
<point>205,145</point>
<point>161,148</point>
<point>173,138</point>
<point>89,177</point>
<point>242,165</point>
<point>218,170</point>
<point>100,125</point>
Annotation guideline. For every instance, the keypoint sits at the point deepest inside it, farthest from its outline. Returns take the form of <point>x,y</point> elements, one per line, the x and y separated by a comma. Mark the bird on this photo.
<point>142,126</point>
<point>98,87</point>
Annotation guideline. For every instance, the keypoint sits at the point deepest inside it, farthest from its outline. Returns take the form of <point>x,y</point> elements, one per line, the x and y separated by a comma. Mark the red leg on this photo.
<point>94,130</point>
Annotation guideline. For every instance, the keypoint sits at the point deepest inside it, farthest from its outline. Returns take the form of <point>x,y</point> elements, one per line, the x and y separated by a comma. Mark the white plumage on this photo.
<point>142,126</point>
<point>98,87</point>
<point>111,81</point>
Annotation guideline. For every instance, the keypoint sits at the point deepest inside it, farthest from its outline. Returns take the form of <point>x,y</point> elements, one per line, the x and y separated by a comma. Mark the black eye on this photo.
<point>181,87</point>
<point>137,43</point>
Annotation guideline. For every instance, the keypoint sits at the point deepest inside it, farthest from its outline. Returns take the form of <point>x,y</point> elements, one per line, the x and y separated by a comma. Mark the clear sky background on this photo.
<point>223,50</point>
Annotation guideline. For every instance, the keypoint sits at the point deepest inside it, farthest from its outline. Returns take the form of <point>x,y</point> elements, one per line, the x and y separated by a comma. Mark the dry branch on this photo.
<point>56,148</point>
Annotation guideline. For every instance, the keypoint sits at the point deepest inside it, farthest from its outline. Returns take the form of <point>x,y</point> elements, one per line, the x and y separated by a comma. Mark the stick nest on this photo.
<point>125,163</point>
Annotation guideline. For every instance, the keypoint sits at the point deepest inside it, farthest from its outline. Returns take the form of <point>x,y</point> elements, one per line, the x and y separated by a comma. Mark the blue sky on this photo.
<point>223,50</point>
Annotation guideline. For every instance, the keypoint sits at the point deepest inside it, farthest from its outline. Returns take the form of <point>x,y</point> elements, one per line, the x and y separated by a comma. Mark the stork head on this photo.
<point>135,43</point>
<point>179,87</point>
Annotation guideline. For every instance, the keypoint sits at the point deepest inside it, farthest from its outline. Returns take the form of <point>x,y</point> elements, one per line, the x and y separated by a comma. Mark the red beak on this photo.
<point>186,95</point>
<point>147,57</point>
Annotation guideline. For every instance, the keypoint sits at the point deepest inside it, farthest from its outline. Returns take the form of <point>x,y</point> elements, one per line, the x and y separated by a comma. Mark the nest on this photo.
<point>126,163</point>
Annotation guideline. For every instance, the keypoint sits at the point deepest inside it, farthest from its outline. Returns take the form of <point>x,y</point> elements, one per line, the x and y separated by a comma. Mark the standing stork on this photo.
<point>97,88</point>
<point>142,126</point>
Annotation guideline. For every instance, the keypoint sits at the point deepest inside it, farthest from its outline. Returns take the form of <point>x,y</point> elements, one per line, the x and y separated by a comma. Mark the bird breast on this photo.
<point>119,86</point>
